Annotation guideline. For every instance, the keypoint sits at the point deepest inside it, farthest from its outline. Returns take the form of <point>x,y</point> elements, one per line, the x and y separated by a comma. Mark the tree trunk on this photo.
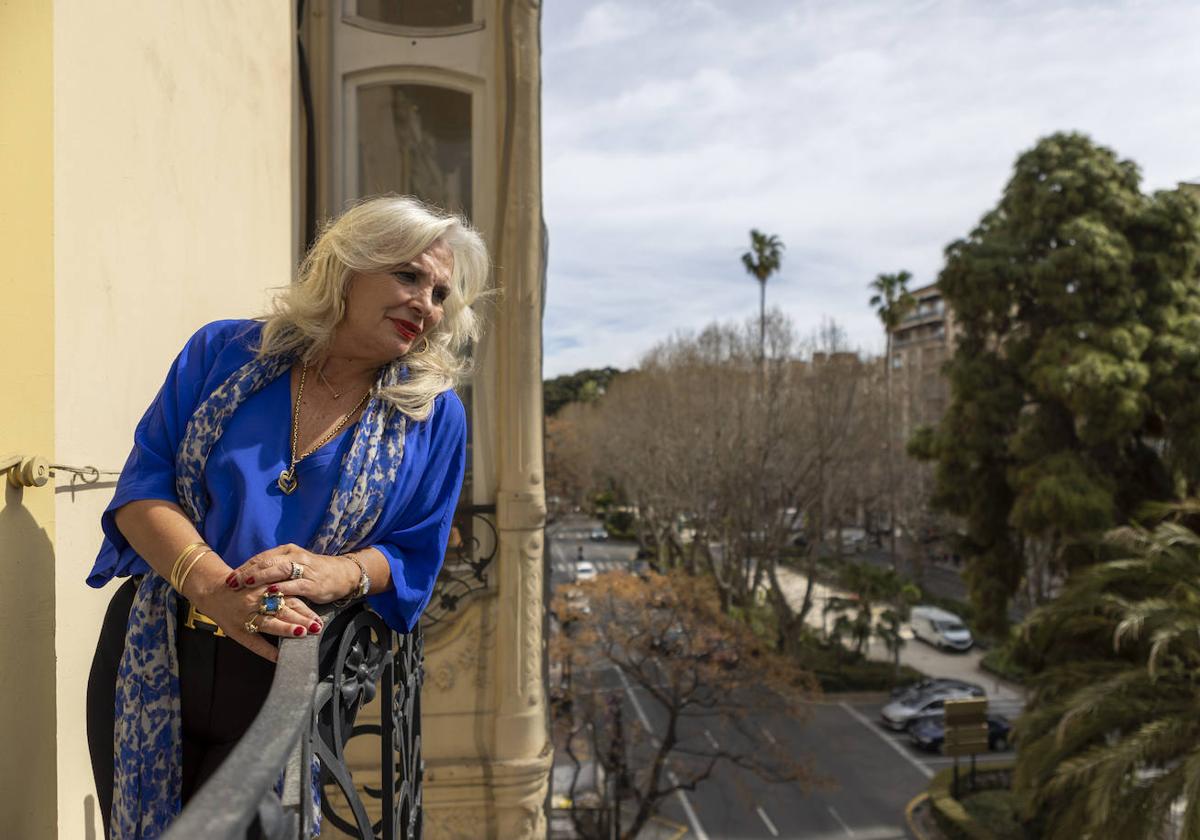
<point>891,474</point>
<point>762,322</point>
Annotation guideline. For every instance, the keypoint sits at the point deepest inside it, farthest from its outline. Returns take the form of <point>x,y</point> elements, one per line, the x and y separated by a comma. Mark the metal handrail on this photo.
<point>320,684</point>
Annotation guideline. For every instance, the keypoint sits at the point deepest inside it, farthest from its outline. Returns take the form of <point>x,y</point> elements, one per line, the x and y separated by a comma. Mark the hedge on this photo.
<point>954,819</point>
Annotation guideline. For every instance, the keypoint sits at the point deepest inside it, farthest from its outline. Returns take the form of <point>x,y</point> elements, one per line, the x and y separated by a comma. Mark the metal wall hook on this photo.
<point>35,471</point>
<point>25,472</point>
<point>88,474</point>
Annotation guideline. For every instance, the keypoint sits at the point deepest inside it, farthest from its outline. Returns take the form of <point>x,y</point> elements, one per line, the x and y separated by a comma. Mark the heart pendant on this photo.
<point>287,481</point>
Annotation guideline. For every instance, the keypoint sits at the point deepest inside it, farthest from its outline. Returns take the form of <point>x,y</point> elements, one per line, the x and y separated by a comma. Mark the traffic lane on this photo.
<point>861,789</point>
<point>606,557</point>
<point>862,785</point>
<point>724,805</point>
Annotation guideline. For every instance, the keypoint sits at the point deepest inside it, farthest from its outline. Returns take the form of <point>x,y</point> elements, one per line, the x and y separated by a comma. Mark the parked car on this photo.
<point>931,683</point>
<point>598,534</point>
<point>853,539</point>
<point>903,710</point>
<point>670,641</point>
<point>929,732</point>
<point>585,570</point>
<point>579,602</point>
<point>940,628</point>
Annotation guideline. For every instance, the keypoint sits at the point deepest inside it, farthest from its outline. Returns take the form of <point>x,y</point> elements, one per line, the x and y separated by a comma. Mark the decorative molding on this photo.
<point>464,653</point>
<point>531,630</point>
<point>456,824</point>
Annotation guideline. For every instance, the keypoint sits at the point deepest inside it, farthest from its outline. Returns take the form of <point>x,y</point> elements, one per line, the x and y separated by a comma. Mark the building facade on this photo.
<point>165,165</point>
<point>921,344</point>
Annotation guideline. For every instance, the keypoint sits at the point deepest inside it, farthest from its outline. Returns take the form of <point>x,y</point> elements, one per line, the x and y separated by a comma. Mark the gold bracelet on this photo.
<point>182,557</point>
<point>364,582</point>
<point>179,568</point>
<point>191,566</point>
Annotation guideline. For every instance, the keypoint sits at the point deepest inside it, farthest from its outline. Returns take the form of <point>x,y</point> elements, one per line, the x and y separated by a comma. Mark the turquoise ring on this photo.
<point>270,603</point>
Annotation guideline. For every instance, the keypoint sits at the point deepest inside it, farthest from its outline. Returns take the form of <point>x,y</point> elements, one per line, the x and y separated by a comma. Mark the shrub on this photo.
<point>989,817</point>
<point>619,524</point>
<point>848,671</point>
<point>1000,661</point>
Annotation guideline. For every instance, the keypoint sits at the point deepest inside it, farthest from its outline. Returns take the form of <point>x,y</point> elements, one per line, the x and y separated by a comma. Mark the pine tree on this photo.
<point>1075,383</point>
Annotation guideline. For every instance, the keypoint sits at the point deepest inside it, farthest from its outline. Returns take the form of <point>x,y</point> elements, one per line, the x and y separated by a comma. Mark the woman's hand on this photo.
<point>231,609</point>
<point>323,578</point>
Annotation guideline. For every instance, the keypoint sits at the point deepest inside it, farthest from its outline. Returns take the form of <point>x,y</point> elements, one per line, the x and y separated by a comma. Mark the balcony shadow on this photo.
<point>27,663</point>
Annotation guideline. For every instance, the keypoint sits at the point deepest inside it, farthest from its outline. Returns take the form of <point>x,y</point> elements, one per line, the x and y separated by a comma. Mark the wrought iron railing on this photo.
<point>464,574</point>
<point>294,752</point>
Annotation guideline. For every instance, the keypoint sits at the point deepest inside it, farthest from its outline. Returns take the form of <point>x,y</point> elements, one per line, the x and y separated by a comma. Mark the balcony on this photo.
<point>293,757</point>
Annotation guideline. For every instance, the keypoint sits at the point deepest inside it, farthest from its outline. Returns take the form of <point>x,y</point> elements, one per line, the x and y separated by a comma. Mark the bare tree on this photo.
<point>698,672</point>
<point>733,459</point>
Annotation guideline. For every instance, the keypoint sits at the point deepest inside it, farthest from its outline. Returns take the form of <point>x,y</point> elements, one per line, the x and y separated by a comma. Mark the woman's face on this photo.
<point>387,314</point>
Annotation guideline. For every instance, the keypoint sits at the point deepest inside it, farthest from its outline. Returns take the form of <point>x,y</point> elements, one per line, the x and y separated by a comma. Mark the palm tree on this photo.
<point>1110,742</point>
<point>761,261</point>
<point>892,302</point>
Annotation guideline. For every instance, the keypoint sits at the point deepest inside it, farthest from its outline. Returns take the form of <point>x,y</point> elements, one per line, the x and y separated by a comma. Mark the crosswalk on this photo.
<point>565,565</point>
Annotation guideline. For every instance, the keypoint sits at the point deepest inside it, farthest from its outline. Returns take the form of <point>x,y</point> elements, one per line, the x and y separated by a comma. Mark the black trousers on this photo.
<point>222,686</point>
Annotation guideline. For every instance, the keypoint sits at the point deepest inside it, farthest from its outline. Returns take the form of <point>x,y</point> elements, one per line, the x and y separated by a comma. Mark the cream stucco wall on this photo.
<point>153,193</point>
<point>27,609</point>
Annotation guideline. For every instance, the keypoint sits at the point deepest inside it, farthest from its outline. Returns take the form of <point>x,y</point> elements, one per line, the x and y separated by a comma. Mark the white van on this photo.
<point>940,628</point>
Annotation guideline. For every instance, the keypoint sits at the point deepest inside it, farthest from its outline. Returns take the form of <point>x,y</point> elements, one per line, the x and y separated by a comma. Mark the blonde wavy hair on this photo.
<point>375,236</point>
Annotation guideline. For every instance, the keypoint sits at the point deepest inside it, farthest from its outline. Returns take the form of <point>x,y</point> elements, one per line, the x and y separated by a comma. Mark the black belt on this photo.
<point>196,620</point>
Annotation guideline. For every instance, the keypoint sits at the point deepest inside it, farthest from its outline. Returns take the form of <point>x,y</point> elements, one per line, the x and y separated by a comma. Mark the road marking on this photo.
<point>858,716</point>
<point>712,740</point>
<point>694,820</point>
<point>770,825</point>
<point>767,734</point>
<point>679,828</point>
<point>841,821</point>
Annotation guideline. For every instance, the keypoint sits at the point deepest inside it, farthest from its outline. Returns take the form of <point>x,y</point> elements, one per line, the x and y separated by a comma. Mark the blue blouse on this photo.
<point>248,513</point>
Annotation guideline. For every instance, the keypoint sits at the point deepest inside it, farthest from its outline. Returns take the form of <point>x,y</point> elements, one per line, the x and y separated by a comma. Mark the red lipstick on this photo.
<point>407,329</point>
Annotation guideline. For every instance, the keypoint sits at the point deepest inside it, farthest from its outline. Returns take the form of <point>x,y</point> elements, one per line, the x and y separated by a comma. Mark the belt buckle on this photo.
<point>195,615</point>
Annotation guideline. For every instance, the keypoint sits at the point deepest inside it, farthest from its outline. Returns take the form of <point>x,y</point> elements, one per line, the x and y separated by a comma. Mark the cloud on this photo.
<point>867,135</point>
<point>606,22</point>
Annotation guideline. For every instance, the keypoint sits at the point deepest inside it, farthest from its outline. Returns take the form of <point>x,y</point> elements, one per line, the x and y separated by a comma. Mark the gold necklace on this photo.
<point>287,479</point>
<point>321,375</point>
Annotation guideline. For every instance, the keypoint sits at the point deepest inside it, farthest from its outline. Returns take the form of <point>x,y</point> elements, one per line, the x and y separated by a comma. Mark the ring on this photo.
<point>297,571</point>
<point>251,624</point>
<point>270,603</point>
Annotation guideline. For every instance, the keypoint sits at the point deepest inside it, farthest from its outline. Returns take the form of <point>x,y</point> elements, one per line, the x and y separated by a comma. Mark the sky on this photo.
<point>866,134</point>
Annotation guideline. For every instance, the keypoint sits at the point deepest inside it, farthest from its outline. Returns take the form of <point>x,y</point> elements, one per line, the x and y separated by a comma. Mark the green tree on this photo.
<point>1075,383</point>
<point>1111,737</point>
<point>581,386</point>
<point>874,588</point>
<point>761,261</point>
<point>892,302</point>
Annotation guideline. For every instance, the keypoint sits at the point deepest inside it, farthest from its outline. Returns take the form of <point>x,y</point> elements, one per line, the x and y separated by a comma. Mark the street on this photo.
<point>866,773</point>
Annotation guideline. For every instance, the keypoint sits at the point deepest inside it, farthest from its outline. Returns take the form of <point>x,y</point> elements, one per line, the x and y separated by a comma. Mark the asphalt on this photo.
<point>867,773</point>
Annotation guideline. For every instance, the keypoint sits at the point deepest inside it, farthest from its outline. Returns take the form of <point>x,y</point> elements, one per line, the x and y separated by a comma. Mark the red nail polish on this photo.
<point>272,588</point>
<point>235,585</point>
<point>315,627</point>
<point>230,576</point>
<point>299,631</point>
<point>249,581</point>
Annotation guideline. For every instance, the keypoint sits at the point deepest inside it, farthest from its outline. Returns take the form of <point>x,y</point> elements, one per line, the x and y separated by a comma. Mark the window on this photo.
<point>416,140</point>
<point>418,14</point>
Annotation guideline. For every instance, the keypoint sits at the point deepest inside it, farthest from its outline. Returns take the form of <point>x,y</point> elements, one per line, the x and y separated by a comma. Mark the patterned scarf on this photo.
<point>148,734</point>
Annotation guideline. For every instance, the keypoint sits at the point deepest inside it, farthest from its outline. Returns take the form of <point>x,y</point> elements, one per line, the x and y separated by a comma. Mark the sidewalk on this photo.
<point>1008,697</point>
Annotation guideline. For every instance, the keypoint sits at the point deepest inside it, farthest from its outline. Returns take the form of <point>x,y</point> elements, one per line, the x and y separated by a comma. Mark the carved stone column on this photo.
<point>491,660</point>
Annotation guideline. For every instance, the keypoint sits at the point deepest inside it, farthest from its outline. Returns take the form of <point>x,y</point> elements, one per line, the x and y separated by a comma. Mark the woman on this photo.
<point>311,456</point>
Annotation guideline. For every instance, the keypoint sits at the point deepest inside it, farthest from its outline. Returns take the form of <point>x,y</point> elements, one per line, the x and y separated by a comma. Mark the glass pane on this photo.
<point>417,13</point>
<point>415,140</point>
